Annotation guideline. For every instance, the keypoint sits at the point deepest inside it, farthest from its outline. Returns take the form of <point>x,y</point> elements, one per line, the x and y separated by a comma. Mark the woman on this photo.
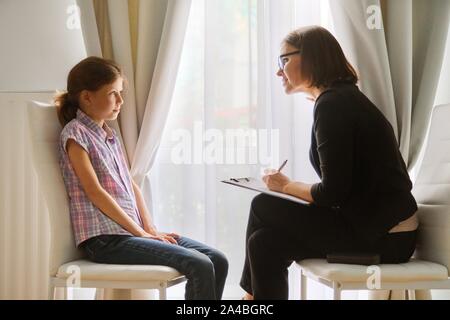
<point>363,202</point>
<point>110,219</point>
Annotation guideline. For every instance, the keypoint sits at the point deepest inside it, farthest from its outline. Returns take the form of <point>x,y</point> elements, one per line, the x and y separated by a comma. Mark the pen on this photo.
<point>282,166</point>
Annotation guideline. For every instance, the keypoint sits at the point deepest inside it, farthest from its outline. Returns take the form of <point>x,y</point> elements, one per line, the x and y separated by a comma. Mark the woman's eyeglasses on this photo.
<point>282,61</point>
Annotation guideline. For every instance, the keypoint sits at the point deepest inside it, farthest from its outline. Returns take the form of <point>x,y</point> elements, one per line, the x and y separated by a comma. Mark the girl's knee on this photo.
<point>219,260</point>
<point>201,264</point>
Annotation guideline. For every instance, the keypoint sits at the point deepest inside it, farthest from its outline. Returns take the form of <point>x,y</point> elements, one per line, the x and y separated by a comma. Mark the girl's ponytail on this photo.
<point>66,108</point>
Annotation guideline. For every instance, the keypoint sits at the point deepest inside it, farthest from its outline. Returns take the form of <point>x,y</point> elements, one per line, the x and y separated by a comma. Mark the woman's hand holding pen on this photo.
<point>275,180</point>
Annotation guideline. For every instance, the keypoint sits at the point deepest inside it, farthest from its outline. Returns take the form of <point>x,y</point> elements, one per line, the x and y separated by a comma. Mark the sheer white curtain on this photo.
<point>161,92</point>
<point>226,83</point>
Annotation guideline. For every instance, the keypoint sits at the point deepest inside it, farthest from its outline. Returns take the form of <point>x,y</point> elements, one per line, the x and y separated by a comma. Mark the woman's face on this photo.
<point>105,103</point>
<point>290,74</point>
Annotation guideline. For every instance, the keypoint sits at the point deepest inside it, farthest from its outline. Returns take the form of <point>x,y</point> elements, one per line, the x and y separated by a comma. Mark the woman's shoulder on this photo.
<point>337,97</point>
<point>339,90</point>
<point>330,100</point>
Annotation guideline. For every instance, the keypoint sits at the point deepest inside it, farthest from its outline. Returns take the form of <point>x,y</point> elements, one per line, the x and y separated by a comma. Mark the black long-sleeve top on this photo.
<point>355,153</point>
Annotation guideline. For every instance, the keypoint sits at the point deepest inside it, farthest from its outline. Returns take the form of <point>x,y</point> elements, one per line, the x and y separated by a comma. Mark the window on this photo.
<point>227,87</point>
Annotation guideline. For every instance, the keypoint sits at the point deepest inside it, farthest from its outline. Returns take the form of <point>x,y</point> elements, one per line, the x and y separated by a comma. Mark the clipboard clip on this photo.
<point>239,179</point>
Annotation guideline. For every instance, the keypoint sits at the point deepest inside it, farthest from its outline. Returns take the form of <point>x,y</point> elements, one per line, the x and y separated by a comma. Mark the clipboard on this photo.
<point>259,186</point>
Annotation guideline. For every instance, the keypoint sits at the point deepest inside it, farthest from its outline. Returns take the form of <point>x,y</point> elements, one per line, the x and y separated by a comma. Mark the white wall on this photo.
<point>37,49</point>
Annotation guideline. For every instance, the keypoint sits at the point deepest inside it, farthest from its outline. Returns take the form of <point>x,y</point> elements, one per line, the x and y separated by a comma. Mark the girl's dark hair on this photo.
<point>322,59</point>
<point>89,74</point>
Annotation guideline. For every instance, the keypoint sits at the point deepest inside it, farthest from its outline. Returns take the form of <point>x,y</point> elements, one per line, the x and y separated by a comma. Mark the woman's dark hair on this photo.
<point>89,74</point>
<point>322,59</point>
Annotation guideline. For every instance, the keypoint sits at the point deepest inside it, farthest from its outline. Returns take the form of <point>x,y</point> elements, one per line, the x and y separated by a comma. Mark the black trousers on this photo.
<point>280,232</point>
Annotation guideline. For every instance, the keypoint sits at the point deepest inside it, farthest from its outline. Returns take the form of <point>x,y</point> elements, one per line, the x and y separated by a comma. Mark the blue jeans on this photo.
<point>204,267</point>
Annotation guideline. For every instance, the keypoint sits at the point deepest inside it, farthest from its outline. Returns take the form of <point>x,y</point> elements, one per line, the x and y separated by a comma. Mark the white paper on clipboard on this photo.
<point>259,186</point>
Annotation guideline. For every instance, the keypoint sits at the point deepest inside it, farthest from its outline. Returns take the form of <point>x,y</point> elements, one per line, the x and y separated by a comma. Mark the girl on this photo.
<point>110,220</point>
<point>363,202</point>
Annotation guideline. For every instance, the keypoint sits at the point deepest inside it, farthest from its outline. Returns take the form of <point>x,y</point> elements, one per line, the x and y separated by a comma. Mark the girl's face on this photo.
<point>289,70</point>
<point>105,103</point>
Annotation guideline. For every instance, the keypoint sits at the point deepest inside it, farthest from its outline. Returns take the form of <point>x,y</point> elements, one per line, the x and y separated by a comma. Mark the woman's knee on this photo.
<point>259,241</point>
<point>260,201</point>
<point>260,206</point>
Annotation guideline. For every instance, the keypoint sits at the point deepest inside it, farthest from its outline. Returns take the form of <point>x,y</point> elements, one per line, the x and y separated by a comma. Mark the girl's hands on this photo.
<point>171,236</point>
<point>275,181</point>
<point>162,236</point>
